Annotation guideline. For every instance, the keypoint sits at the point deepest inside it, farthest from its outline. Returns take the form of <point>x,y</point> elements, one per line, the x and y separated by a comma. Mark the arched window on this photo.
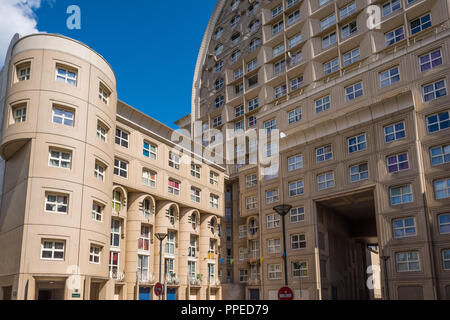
<point>171,215</point>
<point>194,221</point>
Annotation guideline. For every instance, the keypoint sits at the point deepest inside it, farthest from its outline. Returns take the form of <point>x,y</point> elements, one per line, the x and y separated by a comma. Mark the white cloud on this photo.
<point>16,16</point>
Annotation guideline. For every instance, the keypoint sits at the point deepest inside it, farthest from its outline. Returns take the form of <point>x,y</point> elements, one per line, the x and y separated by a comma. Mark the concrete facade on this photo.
<point>363,114</point>
<point>88,182</point>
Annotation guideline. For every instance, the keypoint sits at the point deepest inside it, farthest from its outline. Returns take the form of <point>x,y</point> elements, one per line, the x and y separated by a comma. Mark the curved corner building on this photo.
<point>364,154</point>
<point>87,183</point>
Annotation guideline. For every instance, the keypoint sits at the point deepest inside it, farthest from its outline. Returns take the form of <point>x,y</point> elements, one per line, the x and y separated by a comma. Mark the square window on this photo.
<point>394,132</point>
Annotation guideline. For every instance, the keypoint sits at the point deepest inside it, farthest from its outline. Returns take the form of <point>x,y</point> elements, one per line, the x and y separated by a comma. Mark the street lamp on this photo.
<point>160,237</point>
<point>283,210</point>
<point>386,284</point>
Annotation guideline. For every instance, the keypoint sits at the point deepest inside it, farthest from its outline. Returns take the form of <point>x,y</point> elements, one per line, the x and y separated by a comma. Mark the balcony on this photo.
<point>194,281</point>
<point>254,281</point>
<point>117,275</point>
<point>145,278</point>
<point>172,279</point>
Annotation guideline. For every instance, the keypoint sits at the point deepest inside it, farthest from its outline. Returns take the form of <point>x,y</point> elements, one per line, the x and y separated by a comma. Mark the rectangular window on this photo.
<point>296,83</point>
<point>251,180</point>
<point>143,268</point>
<point>19,113</point>
<point>121,168</point>
<point>117,201</point>
<point>103,94</point>
<point>144,239</point>
<point>295,116</point>
<point>174,187</point>
<point>278,50</point>
<point>331,66</point>
<point>23,71</point>
<point>251,203</point>
<point>280,91</point>
<point>94,256</point>
<point>296,188</point>
<point>169,248</point>
<point>391,6</point>
<point>273,221</point>
<point>242,232</point>
<point>394,132</point>
<point>253,104</point>
<point>272,196</point>
<point>327,22</point>
<point>398,162</point>
<point>293,17</point>
<point>299,269</point>
<point>270,125</point>
<point>59,159</point>
<point>324,154</point>
<point>349,29</point>
<point>297,215</point>
<point>196,170</point>
<point>444,223</point>
<point>354,91</point>
<point>440,155</point>
<point>56,203</point>
<point>174,160</point>
<point>359,172</point>
<point>325,181</point>
<point>442,189</point>
<point>389,77</point>
<point>322,104</point>
<point>347,10</point>
<point>214,178</point>
<point>243,276</point>
<point>394,36</point>
<point>433,91</point>
<point>430,60</point>
<point>122,138</point>
<point>277,28</point>
<point>63,116</point>
<point>405,227</point>
<point>97,211</point>
<point>295,162</point>
<point>52,250</point>
<point>115,233</point>
<point>102,132</point>
<point>292,42</point>
<point>298,241</point>
<point>273,246</point>
<point>99,171</point>
<point>274,271</point>
<point>351,57</point>
<point>357,143</point>
<point>401,195</point>
<point>329,40</point>
<point>149,178</point>
<point>66,75</point>
<point>149,150</point>
<point>446,259</point>
<point>407,261</point>
<point>195,194</point>
<point>420,24</point>
<point>214,201</point>
<point>113,264</point>
<point>437,122</point>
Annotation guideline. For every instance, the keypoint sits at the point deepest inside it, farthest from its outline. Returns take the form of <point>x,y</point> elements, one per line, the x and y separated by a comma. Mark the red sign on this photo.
<point>286,294</point>
<point>158,289</point>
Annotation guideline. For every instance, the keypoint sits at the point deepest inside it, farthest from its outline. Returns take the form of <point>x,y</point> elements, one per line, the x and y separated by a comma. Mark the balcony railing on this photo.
<point>117,275</point>
<point>146,278</point>
<point>194,280</point>
<point>172,278</point>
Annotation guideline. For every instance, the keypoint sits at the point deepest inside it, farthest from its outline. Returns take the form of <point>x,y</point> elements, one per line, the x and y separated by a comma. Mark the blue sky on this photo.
<point>167,34</point>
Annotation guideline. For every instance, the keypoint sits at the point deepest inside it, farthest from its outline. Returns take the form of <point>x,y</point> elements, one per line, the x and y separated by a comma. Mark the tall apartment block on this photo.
<point>87,181</point>
<point>359,92</point>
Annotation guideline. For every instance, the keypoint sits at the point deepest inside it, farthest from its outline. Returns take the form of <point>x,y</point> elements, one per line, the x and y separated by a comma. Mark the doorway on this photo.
<point>144,293</point>
<point>50,290</point>
<point>348,246</point>
<point>254,294</point>
<point>171,294</point>
<point>7,293</point>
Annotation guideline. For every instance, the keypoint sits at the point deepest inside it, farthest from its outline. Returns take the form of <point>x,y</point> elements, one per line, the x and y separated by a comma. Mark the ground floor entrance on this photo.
<point>254,294</point>
<point>348,243</point>
<point>171,294</point>
<point>50,290</point>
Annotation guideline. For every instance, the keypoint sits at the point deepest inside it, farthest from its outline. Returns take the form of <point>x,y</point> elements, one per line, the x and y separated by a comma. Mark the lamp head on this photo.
<point>160,236</point>
<point>283,209</point>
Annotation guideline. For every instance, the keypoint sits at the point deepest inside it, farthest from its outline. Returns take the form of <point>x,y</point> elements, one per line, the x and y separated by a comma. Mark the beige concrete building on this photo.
<point>362,107</point>
<point>87,182</point>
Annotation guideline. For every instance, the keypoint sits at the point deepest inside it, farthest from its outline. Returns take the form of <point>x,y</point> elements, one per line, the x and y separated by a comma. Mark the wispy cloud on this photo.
<point>16,16</point>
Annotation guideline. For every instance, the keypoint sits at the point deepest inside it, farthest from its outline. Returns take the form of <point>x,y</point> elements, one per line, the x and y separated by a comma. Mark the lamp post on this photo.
<point>283,210</point>
<point>160,237</point>
<point>386,284</point>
